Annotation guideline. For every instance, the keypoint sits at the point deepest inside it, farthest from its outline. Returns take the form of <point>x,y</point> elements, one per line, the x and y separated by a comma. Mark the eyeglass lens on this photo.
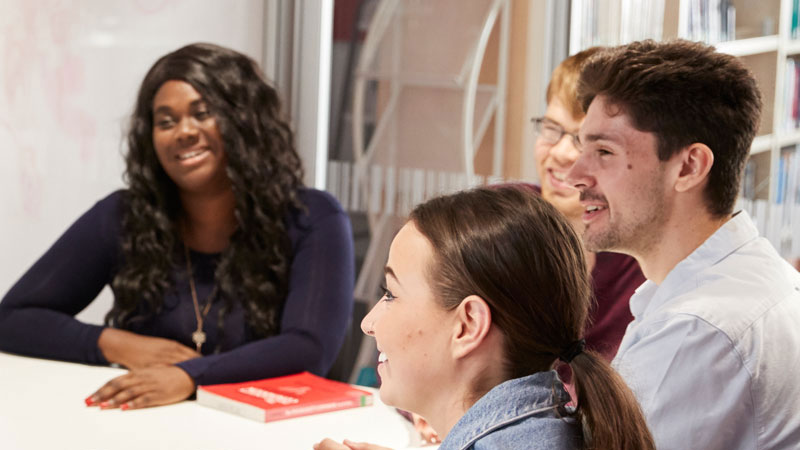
<point>551,132</point>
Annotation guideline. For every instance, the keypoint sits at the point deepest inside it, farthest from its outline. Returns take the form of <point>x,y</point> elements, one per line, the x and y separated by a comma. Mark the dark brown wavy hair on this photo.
<point>684,92</point>
<point>265,173</point>
<point>517,252</point>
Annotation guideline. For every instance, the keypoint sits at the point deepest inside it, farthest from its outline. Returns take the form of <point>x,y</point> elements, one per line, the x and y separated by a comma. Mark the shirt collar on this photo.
<point>504,404</point>
<point>736,232</point>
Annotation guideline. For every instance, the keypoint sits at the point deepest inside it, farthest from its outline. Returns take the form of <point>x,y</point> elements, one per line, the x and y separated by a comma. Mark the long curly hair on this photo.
<point>265,173</point>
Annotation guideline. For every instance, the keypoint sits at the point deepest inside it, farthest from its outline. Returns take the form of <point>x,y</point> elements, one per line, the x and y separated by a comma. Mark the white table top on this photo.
<point>42,407</point>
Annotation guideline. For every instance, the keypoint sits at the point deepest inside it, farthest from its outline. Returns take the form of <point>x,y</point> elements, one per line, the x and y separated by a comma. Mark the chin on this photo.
<point>599,242</point>
<point>386,396</point>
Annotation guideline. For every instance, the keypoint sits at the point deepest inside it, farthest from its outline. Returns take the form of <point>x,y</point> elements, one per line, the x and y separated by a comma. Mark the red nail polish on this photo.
<point>104,405</point>
<point>124,406</point>
<point>89,401</point>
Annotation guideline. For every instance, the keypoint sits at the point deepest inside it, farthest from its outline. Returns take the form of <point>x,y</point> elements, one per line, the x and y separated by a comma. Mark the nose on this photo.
<point>564,152</point>
<point>187,131</point>
<point>577,175</point>
<point>368,322</point>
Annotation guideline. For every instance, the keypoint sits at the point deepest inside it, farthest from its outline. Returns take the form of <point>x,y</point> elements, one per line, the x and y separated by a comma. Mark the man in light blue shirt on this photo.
<point>713,351</point>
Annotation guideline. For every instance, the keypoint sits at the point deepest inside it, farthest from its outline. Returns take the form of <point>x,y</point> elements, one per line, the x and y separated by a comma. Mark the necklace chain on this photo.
<point>199,336</point>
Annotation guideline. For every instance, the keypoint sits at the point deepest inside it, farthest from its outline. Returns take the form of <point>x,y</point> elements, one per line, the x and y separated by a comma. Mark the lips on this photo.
<point>191,158</point>
<point>557,180</point>
<point>594,204</point>
<point>591,212</point>
<point>190,154</point>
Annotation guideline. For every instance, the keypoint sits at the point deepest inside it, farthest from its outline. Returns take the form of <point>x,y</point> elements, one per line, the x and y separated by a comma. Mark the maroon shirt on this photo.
<point>614,279</point>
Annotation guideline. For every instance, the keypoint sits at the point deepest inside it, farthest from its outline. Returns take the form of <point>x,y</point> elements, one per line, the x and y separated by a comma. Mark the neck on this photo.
<point>471,378</point>
<point>208,220</point>
<point>449,409</point>
<point>683,233</point>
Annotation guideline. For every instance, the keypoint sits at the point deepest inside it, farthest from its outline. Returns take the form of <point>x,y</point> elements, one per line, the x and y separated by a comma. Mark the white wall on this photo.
<point>69,72</point>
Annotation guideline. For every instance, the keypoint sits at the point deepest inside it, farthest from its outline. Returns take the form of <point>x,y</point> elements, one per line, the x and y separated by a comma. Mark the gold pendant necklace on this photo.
<point>199,336</point>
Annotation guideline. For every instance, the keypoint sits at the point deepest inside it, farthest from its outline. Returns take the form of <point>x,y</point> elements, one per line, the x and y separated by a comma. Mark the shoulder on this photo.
<point>105,216</point>
<point>317,206</point>
<point>534,433</point>
<point>730,311</point>
<point>516,413</point>
<point>743,290</point>
<point>109,212</point>
<point>113,203</point>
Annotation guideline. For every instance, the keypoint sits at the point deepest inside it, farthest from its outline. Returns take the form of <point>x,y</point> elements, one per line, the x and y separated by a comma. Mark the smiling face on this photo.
<point>554,160</point>
<point>411,330</point>
<point>186,139</point>
<point>624,187</point>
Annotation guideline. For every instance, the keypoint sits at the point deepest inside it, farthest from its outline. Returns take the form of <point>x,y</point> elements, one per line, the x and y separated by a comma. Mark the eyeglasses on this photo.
<point>551,133</point>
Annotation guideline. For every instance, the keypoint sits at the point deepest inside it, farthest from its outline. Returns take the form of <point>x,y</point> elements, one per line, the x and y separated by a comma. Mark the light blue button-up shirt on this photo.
<point>713,353</point>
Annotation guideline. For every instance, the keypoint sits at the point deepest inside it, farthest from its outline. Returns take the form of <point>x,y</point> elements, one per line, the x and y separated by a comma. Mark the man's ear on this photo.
<point>695,164</point>
<point>472,324</point>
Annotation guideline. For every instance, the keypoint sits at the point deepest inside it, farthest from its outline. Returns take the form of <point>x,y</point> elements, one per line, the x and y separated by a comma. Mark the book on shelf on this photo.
<point>749,181</point>
<point>791,95</point>
<point>709,21</point>
<point>776,219</point>
<point>788,179</point>
<point>284,397</point>
<point>614,22</point>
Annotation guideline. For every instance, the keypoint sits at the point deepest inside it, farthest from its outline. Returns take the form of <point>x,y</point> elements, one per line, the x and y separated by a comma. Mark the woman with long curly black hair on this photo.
<point>224,268</point>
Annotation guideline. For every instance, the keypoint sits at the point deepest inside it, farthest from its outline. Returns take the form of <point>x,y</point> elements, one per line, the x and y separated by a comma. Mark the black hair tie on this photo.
<point>574,349</point>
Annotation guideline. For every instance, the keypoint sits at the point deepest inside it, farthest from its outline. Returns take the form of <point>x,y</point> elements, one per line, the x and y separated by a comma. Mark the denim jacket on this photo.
<point>523,413</point>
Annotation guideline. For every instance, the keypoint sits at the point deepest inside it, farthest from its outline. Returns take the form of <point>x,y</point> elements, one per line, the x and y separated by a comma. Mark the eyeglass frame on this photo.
<point>539,127</point>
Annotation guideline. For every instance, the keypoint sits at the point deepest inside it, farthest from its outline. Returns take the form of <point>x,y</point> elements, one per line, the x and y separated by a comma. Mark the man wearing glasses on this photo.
<point>614,276</point>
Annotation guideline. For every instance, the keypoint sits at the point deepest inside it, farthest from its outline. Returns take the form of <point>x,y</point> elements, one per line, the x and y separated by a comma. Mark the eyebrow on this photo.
<point>550,119</point>
<point>598,137</point>
<point>165,109</point>
<point>559,124</point>
<point>388,271</point>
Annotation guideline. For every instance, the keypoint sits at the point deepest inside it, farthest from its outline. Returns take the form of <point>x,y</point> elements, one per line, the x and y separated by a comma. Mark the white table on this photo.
<point>41,407</point>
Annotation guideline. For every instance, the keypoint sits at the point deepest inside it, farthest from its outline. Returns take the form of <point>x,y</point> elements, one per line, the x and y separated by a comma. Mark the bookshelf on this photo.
<point>765,34</point>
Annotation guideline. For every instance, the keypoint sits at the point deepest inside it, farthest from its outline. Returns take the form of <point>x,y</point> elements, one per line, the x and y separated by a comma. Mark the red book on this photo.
<point>281,398</point>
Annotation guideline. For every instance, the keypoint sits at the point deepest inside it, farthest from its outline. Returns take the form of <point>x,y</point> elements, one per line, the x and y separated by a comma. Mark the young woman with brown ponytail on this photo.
<point>486,291</point>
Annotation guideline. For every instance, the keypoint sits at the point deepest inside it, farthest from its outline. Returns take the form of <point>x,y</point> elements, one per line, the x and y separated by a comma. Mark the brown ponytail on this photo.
<point>607,406</point>
<point>518,253</point>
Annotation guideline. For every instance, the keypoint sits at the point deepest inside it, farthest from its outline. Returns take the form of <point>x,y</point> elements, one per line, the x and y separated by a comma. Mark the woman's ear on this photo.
<point>473,320</point>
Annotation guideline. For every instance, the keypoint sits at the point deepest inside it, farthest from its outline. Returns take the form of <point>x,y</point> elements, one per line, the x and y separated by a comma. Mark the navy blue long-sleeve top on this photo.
<point>37,314</point>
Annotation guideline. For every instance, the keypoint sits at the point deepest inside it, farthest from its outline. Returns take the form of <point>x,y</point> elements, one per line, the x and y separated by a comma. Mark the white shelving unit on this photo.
<point>430,104</point>
<point>419,83</point>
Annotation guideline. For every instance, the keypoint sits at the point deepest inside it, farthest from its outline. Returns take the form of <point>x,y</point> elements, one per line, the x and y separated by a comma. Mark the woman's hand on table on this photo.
<point>330,444</point>
<point>135,351</point>
<point>141,388</point>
